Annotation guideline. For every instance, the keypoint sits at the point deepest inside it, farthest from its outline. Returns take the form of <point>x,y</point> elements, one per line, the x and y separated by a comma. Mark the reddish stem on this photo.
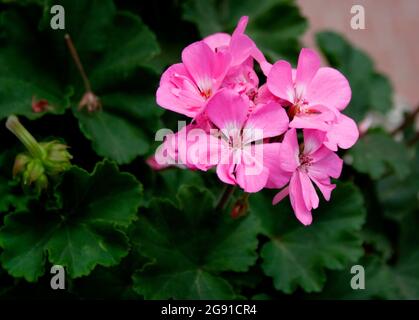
<point>78,63</point>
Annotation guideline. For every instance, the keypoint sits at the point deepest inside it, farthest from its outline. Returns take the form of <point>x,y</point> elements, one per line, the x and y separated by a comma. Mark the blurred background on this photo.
<point>390,36</point>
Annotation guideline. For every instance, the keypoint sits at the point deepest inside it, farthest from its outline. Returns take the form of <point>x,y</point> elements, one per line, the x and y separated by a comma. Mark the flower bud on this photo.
<point>240,207</point>
<point>90,101</point>
<point>57,158</point>
<point>40,161</point>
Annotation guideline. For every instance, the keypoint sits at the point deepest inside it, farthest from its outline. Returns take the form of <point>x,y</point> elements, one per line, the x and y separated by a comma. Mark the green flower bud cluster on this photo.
<point>40,161</point>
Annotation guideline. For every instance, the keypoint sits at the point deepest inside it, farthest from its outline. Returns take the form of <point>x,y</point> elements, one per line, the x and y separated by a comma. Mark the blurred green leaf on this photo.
<point>189,245</point>
<point>84,233</point>
<point>399,280</point>
<point>377,153</point>
<point>371,91</point>
<point>400,197</point>
<point>297,256</point>
<point>24,74</point>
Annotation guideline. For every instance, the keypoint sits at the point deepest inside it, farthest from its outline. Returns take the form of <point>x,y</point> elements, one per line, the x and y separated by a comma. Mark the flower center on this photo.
<point>305,161</point>
<point>300,106</point>
<point>205,87</point>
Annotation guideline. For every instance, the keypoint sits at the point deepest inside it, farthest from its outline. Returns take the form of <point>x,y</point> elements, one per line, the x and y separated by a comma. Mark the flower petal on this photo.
<point>260,58</point>
<point>218,40</point>
<point>280,195</point>
<point>205,150</point>
<point>227,110</point>
<point>241,25</point>
<point>277,176</point>
<point>241,47</point>
<point>177,92</point>
<point>326,164</point>
<point>313,140</point>
<point>251,174</point>
<point>308,64</point>
<point>297,201</point>
<point>271,120</point>
<point>225,172</point>
<point>344,133</point>
<point>324,186</point>
<point>280,81</point>
<point>289,152</point>
<point>329,88</point>
<point>205,66</point>
<point>310,197</point>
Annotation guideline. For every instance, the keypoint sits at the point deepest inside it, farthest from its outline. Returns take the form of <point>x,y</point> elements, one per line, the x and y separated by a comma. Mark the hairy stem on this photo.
<point>227,193</point>
<point>78,63</point>
<point>14,125</point>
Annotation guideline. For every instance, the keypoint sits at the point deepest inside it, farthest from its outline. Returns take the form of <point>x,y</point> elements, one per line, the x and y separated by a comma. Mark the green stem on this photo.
<point>25,137</point>
<point>228,191</point>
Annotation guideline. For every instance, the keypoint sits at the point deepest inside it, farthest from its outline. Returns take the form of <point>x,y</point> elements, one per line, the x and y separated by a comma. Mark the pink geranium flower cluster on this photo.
<point>250,131</point>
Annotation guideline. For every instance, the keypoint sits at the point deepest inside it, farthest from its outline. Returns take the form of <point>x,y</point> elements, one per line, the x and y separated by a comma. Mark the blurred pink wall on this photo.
<point>391,36</point>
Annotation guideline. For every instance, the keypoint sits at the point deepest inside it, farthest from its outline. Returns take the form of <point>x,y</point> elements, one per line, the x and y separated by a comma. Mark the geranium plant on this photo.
<point>274,182</point>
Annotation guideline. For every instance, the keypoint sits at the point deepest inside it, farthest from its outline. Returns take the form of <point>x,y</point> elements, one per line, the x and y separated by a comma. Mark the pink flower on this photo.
<point>243,156</point>
<point>218,61</point>
<point>240,46</point>
<point>342,132</point>
<point>175,150</point>
<point>315,163</point>
<point>185,87</point>
<point>315,97</point>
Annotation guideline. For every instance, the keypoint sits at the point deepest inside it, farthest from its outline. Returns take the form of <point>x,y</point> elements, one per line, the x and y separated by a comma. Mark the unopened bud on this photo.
<point>90,101</point>
<point>57,158</point>
<point>240,207</point>
<point>40,161</point>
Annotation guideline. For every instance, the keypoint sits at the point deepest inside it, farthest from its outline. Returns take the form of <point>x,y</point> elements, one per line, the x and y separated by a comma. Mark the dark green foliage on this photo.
<point>124,231</point>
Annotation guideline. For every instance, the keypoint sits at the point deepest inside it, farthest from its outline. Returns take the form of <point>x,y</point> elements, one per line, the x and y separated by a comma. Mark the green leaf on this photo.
<point>189,245</point>
<point>398,280</point>
<point>119,131</point>
<point>399,197</point>
<point>9,199</point>
<point>105,283</point>
<point>130,45</point>
<point>297,255</point>
<point>112,136</point>
<point>380,93</point>
<point>23,76</point>
<point>276,37</point>
<point>377,153</point>
<point>371,91</point>
<point>279,38</point>
<point>115,49</point>
<point>84,233</point>
<point>123,129</point>
<point>22,2</point>
<point>87,22</point>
